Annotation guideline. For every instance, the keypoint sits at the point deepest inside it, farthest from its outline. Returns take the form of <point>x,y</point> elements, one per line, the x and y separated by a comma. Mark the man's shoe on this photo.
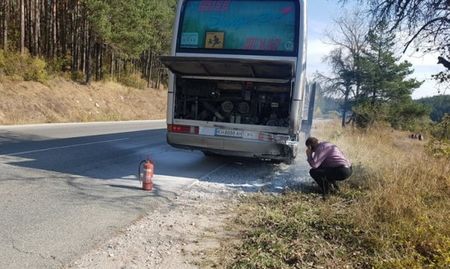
<point>334,188</point>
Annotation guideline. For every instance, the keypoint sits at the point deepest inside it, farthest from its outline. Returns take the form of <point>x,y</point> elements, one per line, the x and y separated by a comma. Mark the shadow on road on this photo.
<point>116,156</point>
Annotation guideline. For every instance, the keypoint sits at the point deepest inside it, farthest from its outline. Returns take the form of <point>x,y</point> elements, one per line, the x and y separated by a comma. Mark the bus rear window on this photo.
<point>239,26</point>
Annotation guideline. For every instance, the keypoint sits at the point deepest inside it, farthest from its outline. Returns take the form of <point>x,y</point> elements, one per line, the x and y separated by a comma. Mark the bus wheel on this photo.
<point>289,161</point>
<point>209,153</point>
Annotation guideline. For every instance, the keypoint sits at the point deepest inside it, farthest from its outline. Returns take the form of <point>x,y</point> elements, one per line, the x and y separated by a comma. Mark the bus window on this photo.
<point>239,26</point>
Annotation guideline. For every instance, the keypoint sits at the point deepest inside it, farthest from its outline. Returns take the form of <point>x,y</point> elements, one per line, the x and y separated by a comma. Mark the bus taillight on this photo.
<point>182,129</point>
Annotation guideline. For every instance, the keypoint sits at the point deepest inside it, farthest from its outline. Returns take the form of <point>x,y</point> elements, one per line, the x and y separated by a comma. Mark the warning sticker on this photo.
<point>214,40</point>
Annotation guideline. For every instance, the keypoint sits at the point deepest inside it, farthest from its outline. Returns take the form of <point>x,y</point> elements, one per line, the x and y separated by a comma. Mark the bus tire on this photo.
<point>209,153</point>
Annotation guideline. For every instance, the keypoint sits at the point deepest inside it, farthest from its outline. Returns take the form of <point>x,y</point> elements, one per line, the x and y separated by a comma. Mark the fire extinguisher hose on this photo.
<point>140,177</point>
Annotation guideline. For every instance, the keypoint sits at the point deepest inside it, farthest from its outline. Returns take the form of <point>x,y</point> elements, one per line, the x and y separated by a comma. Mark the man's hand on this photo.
<point>308,151</point>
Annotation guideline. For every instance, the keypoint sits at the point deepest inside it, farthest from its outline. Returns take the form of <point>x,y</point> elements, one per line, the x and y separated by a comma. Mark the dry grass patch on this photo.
<point>61,100</point>
<point>392,213</point>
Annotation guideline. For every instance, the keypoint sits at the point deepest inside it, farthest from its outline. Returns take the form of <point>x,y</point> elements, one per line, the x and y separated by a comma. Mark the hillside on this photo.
<point>439,105</point>
<point>60,100</point>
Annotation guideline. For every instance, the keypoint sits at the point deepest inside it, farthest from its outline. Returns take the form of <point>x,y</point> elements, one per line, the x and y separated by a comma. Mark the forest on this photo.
<point>92,39</point>
<point>439,105</point>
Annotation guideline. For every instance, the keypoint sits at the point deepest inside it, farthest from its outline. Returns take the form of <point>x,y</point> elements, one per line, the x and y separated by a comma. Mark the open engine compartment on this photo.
<point>253,103</point>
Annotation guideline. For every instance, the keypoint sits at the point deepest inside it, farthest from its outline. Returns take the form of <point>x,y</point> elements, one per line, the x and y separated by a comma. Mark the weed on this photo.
<point>392,213</point>
<point>133,80</point>
<point>78,76</point>
<point>18,66</point>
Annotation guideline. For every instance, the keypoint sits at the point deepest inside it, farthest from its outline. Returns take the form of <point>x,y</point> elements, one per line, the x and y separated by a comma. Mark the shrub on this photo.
<point>35,70</point>
<point>439,146</point>
<point>365,114</point>
<point>58,65</point>
<point>78,76</point>
<point>133,80</point>
<point>2,61</point>
<point>442,130</point>
<point>23,66</point>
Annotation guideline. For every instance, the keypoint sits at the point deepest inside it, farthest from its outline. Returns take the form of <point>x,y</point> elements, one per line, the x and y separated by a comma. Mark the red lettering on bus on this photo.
<point>254,43</point>
<point>250,43</point>
<point>287,10</point>
<point>214,6</point>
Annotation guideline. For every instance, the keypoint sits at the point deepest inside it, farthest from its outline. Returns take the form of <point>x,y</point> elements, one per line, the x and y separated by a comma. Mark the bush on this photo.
<point>2,61</point>
<point>439,149</point>
<point>78,76</point>
<point>133,80</point>
<point>35,70</point>
<point>439,146</point>
<point>442,130</point>
<point>366,114</point>
<point>58,65</point>
<point>23,66</point>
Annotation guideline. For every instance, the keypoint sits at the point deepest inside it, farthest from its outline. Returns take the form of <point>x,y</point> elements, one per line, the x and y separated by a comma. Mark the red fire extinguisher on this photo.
<point>147,176</point>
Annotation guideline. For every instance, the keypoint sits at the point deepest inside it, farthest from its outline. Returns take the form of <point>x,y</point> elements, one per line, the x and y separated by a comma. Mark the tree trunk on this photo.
<point>101,62</point>
<point>22,27</point>
<point>88,58</point>
<point>75,34</point>
<point>47,24</point>
<point>5,26</point>
<point>149,72</point>
<point>158,82</point>
<point>63,25</point>
<point>83,43</point>
<point>344,108</point>
<point>29,26</point>
<point>111,71</point>
<point>37,28</point>
<point>118,67</point>
<point>54,29</point>
<point>97,60</point>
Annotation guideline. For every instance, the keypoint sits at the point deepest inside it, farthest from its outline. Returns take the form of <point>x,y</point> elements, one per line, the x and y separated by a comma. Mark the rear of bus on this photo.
<point>237,77</point>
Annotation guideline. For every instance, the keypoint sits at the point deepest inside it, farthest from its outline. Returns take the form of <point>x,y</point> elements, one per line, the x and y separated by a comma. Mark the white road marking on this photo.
<point>65,147</point>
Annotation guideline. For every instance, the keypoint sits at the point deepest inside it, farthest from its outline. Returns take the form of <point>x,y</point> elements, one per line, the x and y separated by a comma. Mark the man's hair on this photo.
<point>311,141</point>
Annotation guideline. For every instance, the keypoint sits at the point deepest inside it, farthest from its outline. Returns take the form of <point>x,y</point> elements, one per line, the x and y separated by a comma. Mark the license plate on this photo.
<point>207,131</point>
<point>229,133</point>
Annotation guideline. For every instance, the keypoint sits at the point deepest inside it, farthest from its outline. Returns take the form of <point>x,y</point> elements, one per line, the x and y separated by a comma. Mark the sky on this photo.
<point>321,14</point>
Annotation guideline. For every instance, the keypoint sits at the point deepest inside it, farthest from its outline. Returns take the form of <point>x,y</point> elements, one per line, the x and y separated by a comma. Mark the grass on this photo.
<point>133,80</point>
<point>392,213</point>
<point>61,100</point>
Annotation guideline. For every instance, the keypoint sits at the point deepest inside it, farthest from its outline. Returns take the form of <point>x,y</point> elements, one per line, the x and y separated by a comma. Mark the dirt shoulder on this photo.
<point>178,236</point>
<point>60,100</point>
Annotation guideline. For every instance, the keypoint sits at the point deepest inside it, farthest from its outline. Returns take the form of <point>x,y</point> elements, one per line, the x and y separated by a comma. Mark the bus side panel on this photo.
<point>300,76</point>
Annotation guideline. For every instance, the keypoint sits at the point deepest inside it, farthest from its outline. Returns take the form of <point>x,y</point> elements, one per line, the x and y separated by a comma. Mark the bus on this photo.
<point>237,81</point>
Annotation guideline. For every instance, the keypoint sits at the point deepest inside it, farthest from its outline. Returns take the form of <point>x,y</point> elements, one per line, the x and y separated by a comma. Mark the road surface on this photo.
<point>65,188</point>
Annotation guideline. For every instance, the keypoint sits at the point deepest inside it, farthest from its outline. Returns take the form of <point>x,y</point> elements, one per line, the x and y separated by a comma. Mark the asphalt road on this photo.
<point>65,188</point>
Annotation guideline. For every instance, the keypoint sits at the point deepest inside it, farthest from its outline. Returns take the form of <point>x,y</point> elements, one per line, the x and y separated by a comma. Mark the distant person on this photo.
<point>328,164</point>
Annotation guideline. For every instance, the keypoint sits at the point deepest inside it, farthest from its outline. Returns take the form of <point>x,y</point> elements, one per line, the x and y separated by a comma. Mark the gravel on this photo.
<point>179,235</point>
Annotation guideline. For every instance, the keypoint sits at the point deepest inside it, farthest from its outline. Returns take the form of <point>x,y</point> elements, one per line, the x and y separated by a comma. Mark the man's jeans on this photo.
<point>326,177</point>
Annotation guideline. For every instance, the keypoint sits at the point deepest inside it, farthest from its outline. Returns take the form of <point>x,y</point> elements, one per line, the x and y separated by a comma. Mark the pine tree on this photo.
<point>386,88</point>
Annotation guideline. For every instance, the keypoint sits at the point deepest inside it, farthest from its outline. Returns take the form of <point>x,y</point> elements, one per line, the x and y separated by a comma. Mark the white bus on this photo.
<point>237,81</point>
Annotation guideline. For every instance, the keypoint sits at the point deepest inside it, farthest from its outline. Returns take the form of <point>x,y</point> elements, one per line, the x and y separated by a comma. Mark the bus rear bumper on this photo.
<point>234,146</point>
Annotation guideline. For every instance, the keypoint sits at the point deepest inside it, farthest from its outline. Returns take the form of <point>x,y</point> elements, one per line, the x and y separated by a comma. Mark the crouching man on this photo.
<point>328,164</point>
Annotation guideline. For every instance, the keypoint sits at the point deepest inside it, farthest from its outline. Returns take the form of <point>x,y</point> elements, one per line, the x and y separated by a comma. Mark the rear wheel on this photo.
<point>275,161</point>
<point>209,153</point>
